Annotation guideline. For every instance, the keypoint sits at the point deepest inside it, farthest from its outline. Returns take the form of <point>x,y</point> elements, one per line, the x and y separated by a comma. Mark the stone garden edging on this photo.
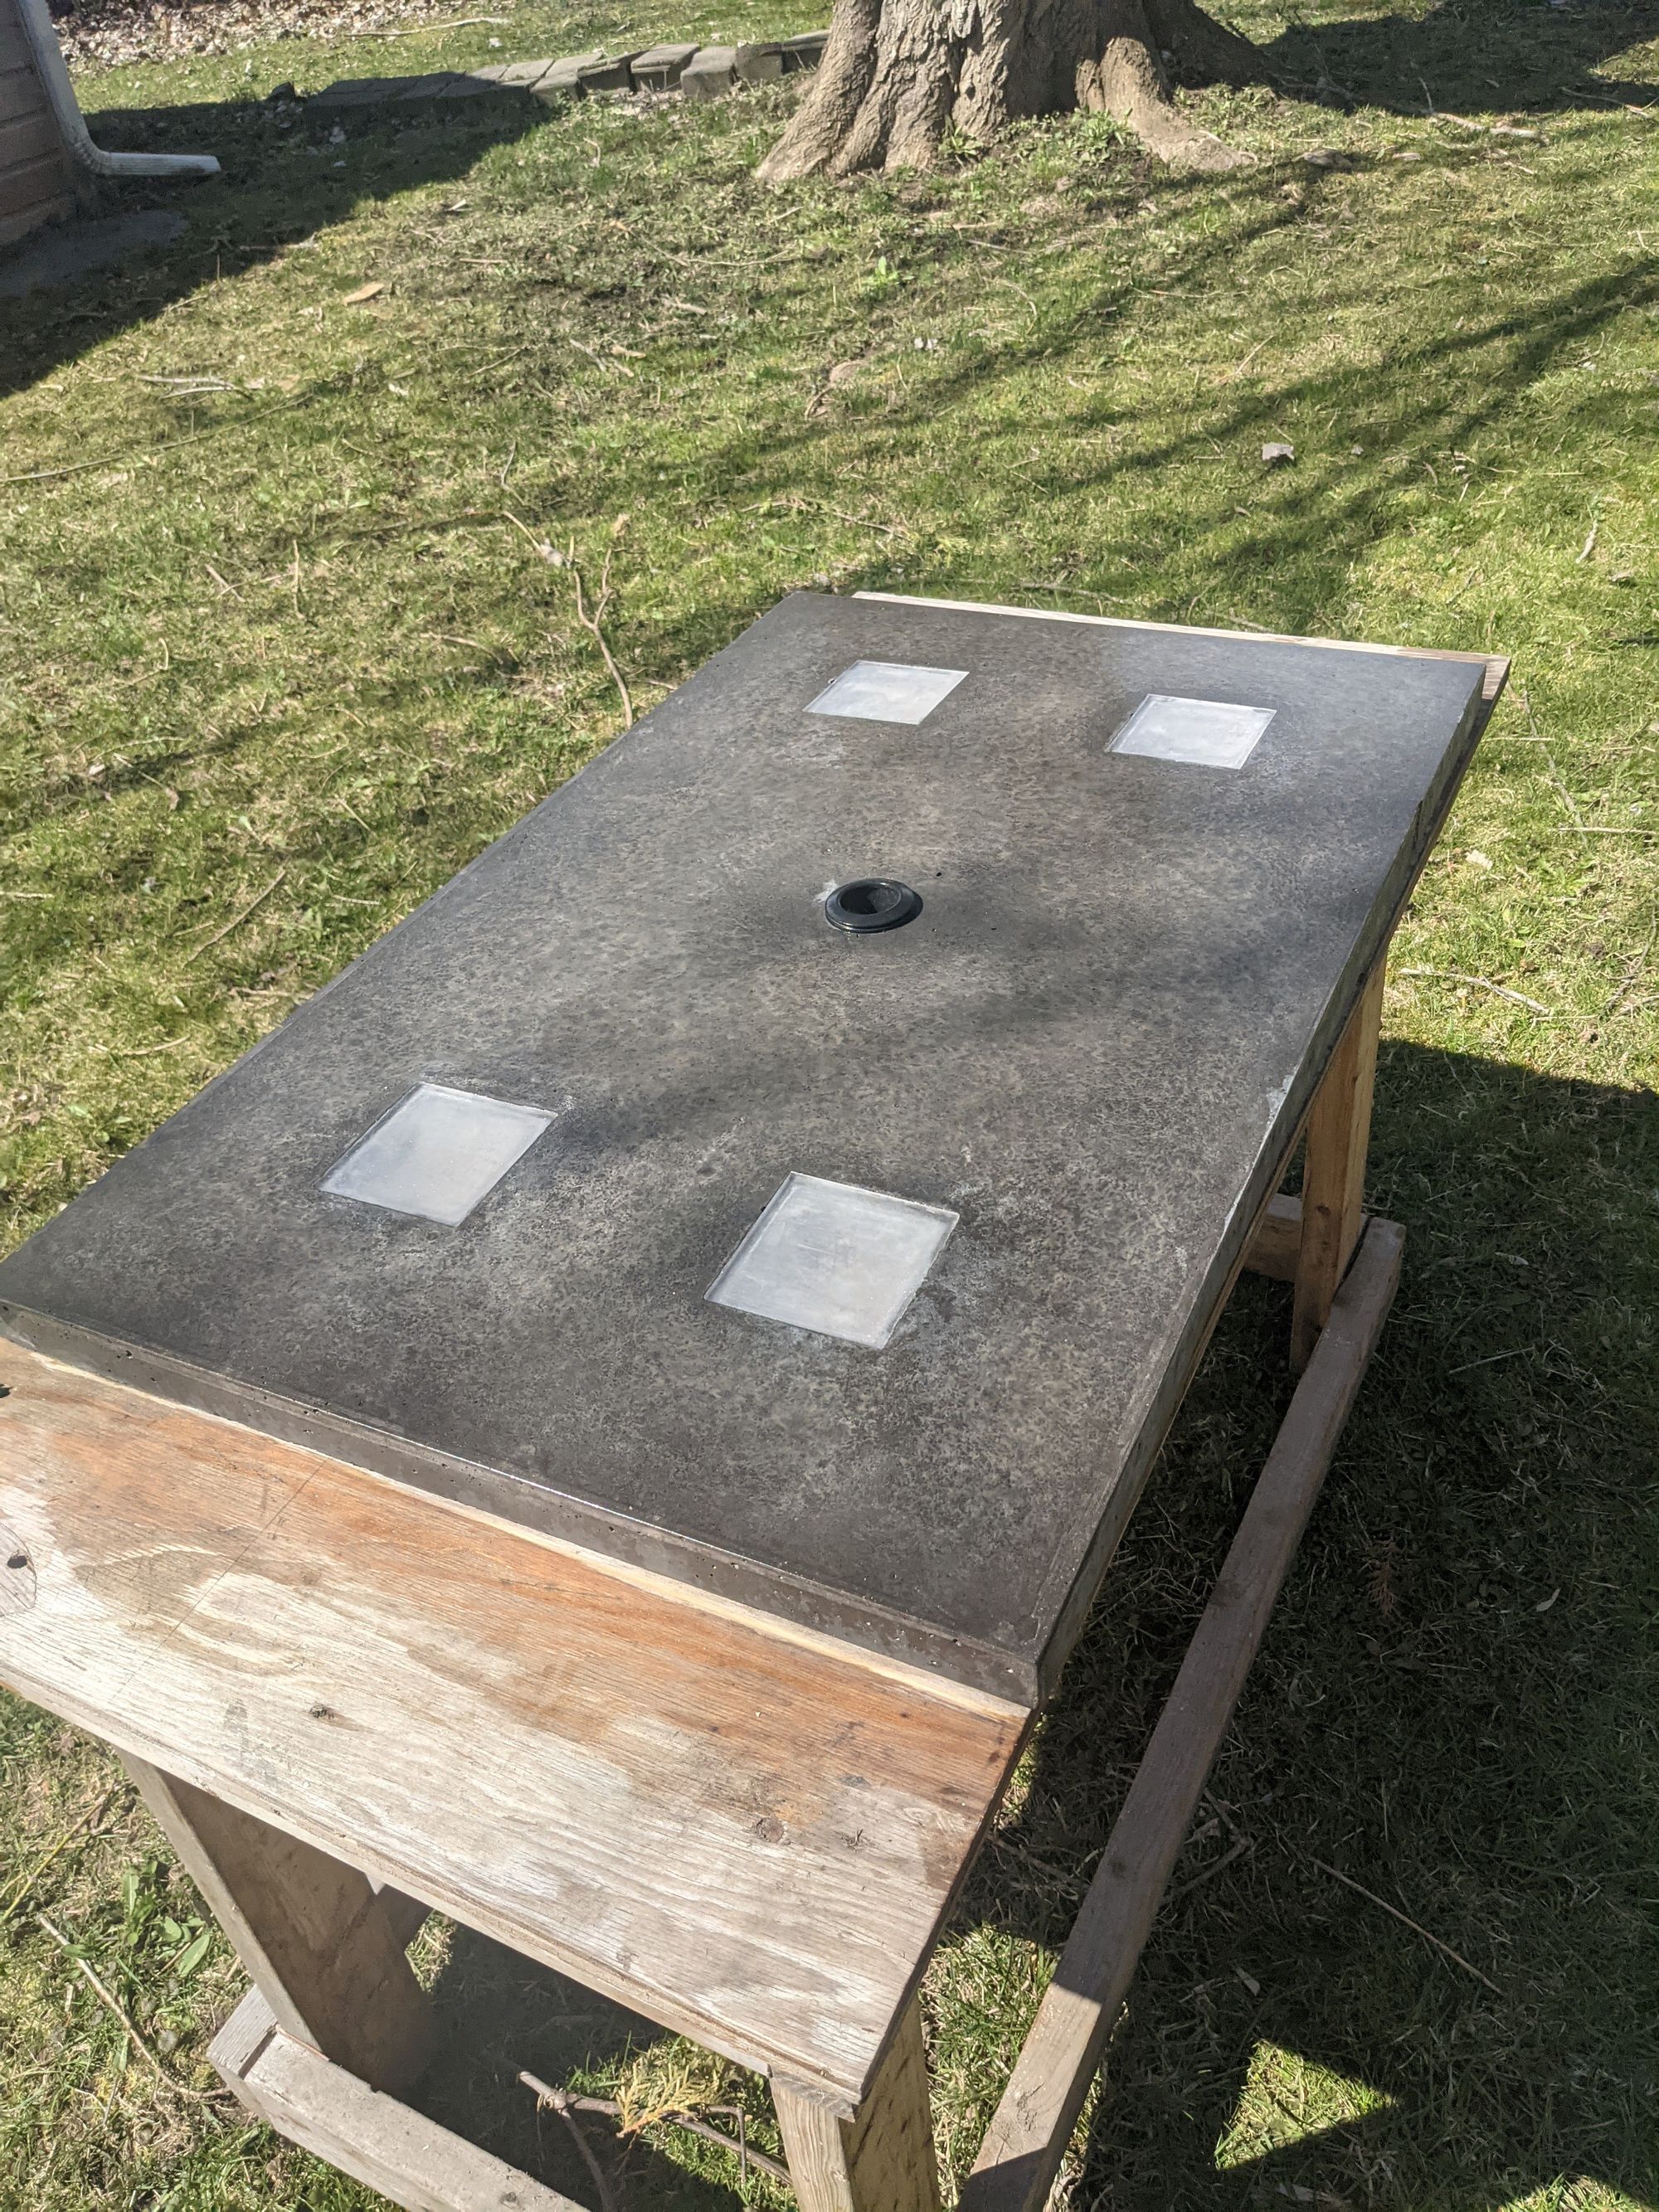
<point>699,72</point>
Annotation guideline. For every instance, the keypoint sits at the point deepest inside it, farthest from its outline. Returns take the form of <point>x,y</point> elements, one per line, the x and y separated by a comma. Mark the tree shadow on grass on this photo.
<point>285,177</point>
<point>1466,57</point>
<point>1452,1709</point>
<point>1433,406</point>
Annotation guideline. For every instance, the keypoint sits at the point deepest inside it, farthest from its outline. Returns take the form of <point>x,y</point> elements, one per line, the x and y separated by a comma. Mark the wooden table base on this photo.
<point>881,2160</point>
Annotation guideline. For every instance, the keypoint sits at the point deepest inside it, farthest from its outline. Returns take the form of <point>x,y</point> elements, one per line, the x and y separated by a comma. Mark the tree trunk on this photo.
<point>896,74</point>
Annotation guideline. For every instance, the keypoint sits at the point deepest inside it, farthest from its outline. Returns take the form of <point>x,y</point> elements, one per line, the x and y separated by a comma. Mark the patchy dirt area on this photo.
<point>100,34</point>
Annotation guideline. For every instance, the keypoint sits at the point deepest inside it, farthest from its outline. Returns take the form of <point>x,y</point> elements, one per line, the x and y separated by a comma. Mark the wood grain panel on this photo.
<point>28,138</point>
<point>21,92</point>
<point>27,184</point>
<point>321,1948</point>
<point>15,52</point>
<point>1333,1171</point>
<point>881,2161</point>
<point>745,1834</point>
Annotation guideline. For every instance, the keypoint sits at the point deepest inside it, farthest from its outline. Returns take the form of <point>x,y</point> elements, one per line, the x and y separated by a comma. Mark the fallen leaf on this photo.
<point>1547,1602</point>
<point>363,292</point>
<point>845,371</point>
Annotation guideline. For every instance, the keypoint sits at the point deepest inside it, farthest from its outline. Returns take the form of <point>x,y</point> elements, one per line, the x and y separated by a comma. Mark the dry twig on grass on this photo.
<point>1480,983</point>
<point>236,919</point>
<point>113,2004</point>
<point>562,2102</point>
<point>1370,1896</point>
<point>590,623</point>
<point>566,2105</point>
<point>26,1882</point>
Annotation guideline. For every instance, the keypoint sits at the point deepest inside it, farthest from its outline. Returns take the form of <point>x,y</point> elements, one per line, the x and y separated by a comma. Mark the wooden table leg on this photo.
<point>318,1942</point>
<point>880,2160</point>
<point>1334,1171</point>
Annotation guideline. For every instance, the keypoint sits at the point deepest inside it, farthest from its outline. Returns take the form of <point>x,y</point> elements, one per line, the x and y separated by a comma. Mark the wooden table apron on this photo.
<point>751,1833</point>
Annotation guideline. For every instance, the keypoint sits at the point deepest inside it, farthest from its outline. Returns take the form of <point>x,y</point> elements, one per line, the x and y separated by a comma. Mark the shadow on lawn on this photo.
<point>1471,58</point>
<point>1303,525</point>
<point>283,178</point>
<point>1447,1709</point>
<point>281,184</point>
<point>499,2013</point>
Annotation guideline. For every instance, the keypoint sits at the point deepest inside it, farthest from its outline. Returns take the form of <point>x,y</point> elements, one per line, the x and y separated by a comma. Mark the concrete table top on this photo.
<point>1079,1063</point>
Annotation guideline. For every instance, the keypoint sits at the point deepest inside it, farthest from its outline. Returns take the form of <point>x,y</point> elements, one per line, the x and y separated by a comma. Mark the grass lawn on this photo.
<point>280,652</point>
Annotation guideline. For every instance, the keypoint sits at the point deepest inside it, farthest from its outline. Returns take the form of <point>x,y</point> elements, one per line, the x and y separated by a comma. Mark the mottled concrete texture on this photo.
<point>1092,1045</point>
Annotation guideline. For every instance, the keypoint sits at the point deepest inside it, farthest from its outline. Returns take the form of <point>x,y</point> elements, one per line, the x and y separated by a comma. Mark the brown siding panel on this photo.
<point>15,53</point>
<point>36,178</point>
<point>21,93</point>
<point>26,139</point>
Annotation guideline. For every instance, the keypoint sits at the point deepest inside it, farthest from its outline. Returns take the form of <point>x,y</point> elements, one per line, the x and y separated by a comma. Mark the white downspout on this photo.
<point>48,60</point>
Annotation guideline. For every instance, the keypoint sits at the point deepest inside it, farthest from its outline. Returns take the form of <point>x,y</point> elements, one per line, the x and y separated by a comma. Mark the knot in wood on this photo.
<point>17,1577</point>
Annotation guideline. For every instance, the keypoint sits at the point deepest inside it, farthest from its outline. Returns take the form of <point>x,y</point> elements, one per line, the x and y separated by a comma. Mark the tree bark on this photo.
<point>897,75</point>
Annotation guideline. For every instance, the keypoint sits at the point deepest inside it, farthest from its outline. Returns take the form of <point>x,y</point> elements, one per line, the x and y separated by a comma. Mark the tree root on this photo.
<point>898,75</point>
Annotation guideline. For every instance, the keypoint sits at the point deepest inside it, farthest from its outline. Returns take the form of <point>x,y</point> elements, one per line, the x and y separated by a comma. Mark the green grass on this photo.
<point>292,641</point>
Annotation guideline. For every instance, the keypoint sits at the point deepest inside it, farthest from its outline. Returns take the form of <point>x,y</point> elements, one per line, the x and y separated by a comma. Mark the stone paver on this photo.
<point>565,75</point>
<point>700,72</point>
<point>524,77</point>
<point>718,69</point>
<point>659,68</point>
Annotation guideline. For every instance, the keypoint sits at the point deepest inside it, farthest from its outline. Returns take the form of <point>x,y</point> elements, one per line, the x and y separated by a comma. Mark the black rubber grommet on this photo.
<point>873,902</point>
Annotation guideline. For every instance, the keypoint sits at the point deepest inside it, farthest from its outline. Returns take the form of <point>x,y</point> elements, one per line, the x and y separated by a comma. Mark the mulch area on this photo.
<point>101,33</point>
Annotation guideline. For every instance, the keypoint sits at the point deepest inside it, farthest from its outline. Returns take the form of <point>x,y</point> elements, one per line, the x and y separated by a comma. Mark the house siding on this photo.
<point>37,179</point>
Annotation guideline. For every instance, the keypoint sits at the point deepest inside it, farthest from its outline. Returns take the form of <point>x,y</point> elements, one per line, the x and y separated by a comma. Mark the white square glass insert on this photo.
<point>887,691</point>
<point>436,1153</point>
<point>831,1257</point>
<point>1207,731</point>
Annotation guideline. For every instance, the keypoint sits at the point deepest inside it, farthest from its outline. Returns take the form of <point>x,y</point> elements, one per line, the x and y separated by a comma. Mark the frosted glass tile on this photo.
<point>887,691</point>
<point>1208,732</point>
<point>831,1257</point>
<point>437,1153</point>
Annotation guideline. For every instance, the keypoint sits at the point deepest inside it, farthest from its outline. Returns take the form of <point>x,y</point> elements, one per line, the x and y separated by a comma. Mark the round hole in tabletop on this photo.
<point>871,903</point>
